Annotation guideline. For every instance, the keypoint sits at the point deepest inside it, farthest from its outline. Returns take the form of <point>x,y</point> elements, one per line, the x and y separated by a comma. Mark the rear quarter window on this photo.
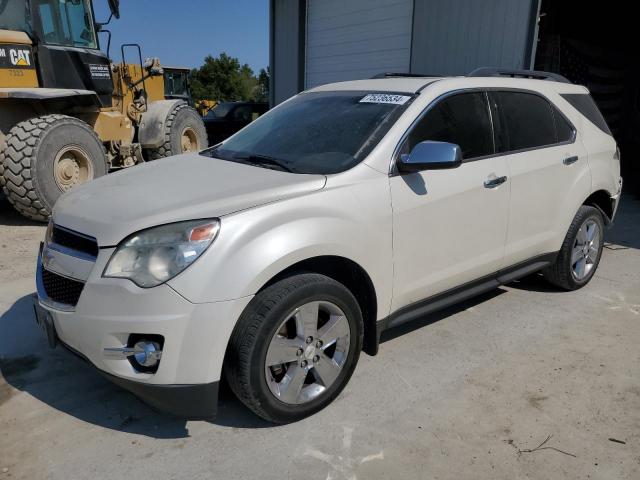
<point>587,107</point>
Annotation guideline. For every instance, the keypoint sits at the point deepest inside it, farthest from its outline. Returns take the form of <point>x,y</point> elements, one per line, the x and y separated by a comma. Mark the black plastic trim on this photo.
<point>191,402</point>
<point>515,73</point>
<point>463,292</point>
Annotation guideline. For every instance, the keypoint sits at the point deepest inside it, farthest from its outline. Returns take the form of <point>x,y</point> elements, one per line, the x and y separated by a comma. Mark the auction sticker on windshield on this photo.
<point>385,98</point>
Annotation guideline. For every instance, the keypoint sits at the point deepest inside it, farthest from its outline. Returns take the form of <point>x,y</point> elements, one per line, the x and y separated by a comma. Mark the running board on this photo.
<point>464,292</point>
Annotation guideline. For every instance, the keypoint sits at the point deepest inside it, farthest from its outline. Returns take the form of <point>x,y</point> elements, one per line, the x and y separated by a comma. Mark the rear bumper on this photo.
<point>615,200</point>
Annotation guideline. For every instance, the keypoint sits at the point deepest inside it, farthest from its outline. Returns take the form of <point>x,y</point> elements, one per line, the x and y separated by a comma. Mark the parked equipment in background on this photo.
<point>68,114</point>
<point>205,106</point>
<point>227,118</point>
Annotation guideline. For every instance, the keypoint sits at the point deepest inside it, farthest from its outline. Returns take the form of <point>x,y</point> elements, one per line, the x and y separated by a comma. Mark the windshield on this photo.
<point>64,22</point>
<point>175,83</point>
<point>13,16</point>
<point>317,132</point>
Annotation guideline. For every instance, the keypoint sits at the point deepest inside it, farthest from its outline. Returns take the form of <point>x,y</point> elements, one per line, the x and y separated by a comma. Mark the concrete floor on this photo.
<point>467,393</point>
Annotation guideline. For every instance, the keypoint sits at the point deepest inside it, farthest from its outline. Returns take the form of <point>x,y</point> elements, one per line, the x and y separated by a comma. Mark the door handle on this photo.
<point>494,182</point>
<point>570,160</point>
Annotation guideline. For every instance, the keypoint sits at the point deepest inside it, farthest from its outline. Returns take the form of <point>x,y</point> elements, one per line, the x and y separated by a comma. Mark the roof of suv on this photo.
<point>389,84</point>
<point>414,84</point>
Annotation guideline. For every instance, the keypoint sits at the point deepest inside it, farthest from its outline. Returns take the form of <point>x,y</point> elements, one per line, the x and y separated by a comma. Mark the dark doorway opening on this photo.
<point>594,44</point>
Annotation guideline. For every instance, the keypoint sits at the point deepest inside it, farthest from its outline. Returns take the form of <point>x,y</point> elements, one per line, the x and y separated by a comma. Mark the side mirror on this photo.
<point>431,156</point>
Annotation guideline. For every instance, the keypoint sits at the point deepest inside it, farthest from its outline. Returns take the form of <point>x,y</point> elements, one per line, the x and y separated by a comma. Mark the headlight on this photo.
<point>48,236</point>
<point>153,256</point>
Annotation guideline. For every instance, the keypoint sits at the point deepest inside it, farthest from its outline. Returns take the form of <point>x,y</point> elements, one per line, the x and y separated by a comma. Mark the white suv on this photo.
<point>274,258</point>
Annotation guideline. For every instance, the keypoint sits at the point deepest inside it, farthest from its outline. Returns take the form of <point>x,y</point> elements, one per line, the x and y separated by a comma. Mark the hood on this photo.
<point>184,187</point>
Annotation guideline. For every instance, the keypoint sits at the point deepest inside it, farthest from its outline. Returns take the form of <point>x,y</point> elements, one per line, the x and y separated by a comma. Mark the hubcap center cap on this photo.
<point>310,352</point>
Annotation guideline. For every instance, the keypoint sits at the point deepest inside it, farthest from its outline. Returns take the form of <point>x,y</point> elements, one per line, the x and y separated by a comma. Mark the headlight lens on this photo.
<point>153,256</point>
<point>48,236</point>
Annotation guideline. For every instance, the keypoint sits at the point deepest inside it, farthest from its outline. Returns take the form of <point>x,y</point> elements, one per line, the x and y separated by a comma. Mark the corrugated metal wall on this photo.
<point>352,39</point>
<point>287,49</point>
<point>453,37</point>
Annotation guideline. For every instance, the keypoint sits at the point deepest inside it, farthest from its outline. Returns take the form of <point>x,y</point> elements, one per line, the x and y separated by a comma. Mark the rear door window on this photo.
<point>526,121</point>
<point>462,119</point>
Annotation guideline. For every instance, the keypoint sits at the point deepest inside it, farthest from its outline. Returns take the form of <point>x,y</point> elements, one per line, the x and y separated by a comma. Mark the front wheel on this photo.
<point>295,347</point>
<point>581,250</point>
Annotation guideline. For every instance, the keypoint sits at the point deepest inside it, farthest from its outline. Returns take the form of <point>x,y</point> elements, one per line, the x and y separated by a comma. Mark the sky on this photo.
<point>182,32</point>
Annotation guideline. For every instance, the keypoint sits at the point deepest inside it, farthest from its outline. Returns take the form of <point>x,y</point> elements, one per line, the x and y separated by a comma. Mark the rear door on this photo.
<point>449,226</point>
<point>548,169</point>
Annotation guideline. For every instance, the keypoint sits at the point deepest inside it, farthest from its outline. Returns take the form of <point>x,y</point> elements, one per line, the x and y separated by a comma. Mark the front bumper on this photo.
<point>108,311</point>
<point>193,402</point>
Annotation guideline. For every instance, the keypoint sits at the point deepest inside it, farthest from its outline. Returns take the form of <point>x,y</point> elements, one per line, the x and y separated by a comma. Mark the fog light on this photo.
<point>148,353</point>
<point>144,354</point>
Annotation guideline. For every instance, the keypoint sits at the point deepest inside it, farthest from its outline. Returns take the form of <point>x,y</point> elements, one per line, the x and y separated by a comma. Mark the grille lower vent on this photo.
<point>74,241</point>
<point>61,289</point>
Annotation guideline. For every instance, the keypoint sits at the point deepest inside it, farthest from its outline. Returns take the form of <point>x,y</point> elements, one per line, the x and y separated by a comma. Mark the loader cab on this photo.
<point>176,84</point>
<point>65,43</point>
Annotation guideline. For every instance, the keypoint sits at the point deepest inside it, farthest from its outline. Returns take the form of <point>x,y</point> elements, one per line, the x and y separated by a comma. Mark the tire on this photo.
<point>183,118</point>
<point>34,147</point>
<point>566,271</point>
<point>245,365</point>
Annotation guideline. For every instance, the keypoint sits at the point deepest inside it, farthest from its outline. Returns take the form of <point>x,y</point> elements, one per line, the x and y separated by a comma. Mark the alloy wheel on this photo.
<point>586,249</point>
<point>308,352</point>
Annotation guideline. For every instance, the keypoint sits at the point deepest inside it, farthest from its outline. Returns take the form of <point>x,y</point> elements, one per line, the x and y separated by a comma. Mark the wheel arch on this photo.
<point>601,199</point>
<point>152,128</point>
<point>351,275</point>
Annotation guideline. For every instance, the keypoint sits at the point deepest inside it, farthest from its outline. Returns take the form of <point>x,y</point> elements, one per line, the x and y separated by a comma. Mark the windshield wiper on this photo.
<point>264,160</point>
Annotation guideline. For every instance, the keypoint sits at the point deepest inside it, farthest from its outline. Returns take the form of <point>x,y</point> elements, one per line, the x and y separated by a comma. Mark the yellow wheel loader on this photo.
<point>68,114</point>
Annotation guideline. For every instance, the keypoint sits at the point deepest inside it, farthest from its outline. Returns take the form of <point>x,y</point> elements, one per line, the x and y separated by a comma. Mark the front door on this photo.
<point>449,226</point>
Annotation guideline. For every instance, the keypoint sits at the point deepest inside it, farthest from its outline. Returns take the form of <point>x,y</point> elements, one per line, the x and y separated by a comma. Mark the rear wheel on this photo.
<point>45,157</point>
<point>185,132</point>
<point>295,347</point>
<point>581,250</point>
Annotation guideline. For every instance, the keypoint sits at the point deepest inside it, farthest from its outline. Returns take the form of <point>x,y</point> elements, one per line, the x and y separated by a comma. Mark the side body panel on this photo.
<point>546,194</point>
<point>448,228</point>
<point>601,148</point>
<point>350,217</point>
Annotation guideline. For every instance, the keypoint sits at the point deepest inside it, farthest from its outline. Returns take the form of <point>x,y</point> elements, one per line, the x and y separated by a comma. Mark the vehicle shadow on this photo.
<point>625,232</point>
<point>439,315</point>
<point>10,217</point>
<point>61,380</point>
<point>535,283</point>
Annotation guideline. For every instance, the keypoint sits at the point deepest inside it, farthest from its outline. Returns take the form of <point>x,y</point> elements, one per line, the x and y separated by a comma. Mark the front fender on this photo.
<point>153,122</point>
<point>257,244</point>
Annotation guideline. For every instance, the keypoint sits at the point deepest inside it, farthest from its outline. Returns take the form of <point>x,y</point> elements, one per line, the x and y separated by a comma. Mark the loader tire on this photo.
<point>184,133</point>
<point>44,157</point>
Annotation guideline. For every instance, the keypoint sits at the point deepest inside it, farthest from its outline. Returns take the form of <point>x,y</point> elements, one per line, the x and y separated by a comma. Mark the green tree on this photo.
<point>261,93</point>
<point>223,79</point>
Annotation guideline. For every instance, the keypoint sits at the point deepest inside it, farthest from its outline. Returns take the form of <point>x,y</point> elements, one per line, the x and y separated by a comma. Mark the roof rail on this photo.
<point>507,72</point>
<point>396,74</point>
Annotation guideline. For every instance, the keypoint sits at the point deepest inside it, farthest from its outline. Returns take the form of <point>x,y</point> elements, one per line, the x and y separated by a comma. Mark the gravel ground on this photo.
<point>467,393</point>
